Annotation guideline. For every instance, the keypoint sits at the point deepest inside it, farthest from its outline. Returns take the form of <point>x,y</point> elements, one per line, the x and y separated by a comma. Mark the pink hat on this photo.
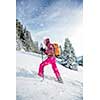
<point>46,41</point>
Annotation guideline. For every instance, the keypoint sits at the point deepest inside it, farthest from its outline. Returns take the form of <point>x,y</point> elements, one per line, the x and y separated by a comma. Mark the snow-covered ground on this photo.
<point>29,87</point>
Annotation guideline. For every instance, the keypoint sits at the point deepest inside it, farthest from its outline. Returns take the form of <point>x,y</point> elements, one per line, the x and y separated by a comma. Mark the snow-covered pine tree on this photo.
<point>19,45</point>
<point>68,55</point>
<point>24,40</point>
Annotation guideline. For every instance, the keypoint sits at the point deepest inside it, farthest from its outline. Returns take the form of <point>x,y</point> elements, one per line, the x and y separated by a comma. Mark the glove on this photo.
<point>42,49</point>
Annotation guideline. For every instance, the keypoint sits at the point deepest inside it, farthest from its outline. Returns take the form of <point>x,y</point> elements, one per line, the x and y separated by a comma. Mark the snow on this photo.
<point>29,87</point>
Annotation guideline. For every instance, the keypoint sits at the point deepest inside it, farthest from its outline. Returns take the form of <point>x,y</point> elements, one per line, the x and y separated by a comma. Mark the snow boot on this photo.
<point>60,80</point>
<point>39,78</point>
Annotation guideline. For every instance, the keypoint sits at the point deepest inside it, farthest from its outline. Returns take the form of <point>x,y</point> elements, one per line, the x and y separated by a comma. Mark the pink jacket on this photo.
<point>50,50</point>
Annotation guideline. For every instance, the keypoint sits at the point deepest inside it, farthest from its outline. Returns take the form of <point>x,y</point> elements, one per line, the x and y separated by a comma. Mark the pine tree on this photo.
<point>23,39</point>
<point>68,55</point>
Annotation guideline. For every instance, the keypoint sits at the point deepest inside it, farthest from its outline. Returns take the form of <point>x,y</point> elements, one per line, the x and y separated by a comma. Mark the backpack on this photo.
<point>57,49</point>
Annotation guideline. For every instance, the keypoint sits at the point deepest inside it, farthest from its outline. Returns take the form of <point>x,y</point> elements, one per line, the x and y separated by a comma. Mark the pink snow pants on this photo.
<point>52,61</point>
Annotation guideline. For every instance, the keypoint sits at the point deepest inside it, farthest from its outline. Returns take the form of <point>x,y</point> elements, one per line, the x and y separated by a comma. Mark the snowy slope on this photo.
<point>29,87</point>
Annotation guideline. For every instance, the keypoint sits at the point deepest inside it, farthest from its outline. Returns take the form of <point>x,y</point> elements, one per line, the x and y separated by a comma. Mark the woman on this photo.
<point>51,59</point>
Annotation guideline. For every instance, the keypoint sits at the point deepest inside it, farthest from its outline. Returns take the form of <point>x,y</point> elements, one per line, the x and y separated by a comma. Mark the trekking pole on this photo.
<point>41,46</point>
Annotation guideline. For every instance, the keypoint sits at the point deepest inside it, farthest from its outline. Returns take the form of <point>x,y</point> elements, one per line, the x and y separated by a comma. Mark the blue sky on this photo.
<point>56,19</point>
